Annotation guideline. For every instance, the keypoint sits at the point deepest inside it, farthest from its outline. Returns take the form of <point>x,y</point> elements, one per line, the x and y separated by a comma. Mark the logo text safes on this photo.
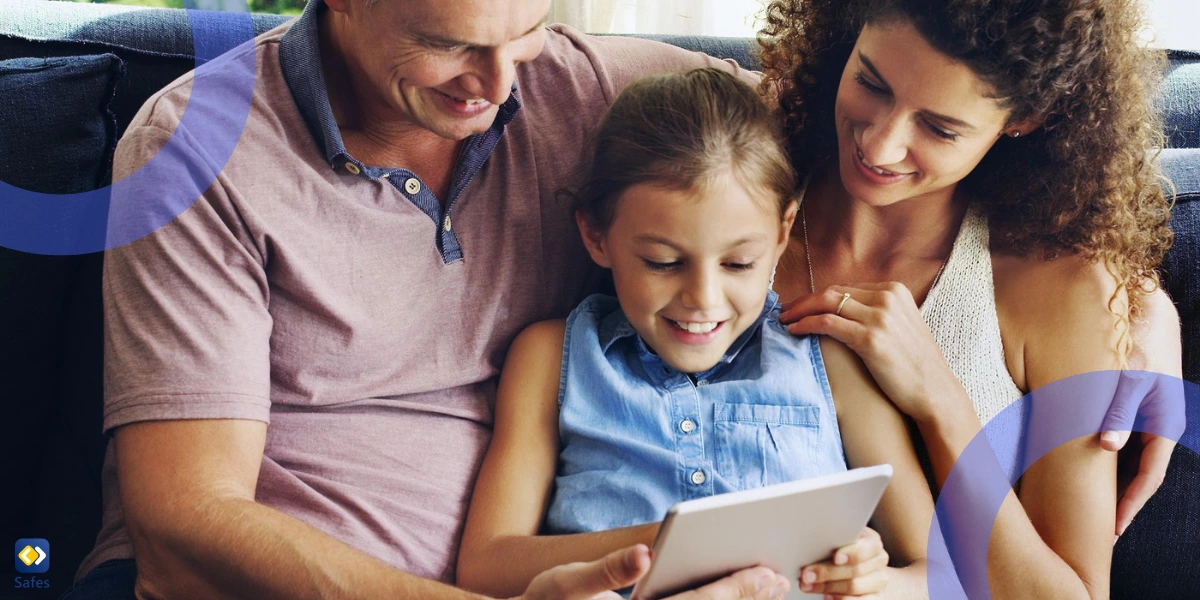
<point>31,555</point>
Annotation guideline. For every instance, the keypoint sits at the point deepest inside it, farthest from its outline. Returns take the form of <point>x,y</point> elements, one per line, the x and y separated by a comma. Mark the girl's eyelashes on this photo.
<point>661,267</point>
<point>668,266</point>
<point>944,134</point>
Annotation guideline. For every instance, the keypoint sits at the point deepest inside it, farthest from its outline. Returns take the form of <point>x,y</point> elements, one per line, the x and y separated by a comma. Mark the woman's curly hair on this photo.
<point>1085,182</point>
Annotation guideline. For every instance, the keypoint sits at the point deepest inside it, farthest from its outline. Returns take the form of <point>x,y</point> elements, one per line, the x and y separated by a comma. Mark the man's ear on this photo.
<point>593,240</point>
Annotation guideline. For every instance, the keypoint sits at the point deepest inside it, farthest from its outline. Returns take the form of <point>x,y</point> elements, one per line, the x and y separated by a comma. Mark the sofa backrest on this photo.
<point>50,319</point>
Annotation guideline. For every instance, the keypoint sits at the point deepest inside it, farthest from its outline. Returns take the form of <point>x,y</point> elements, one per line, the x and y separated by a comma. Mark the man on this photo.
<point>389,221</point>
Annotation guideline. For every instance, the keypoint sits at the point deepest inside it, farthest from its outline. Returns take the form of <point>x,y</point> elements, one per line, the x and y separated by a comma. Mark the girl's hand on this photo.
<point>881,323</point>
<point>858,570</point>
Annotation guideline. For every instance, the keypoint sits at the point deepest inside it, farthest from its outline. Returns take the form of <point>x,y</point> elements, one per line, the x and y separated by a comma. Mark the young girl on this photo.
<point>686,385</point>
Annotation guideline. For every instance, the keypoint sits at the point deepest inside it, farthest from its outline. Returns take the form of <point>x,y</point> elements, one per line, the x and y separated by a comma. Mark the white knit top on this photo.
<point>960,311</point>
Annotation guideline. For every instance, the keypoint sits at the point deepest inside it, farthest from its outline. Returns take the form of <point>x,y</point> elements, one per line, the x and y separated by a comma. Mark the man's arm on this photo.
<point>187,490</point>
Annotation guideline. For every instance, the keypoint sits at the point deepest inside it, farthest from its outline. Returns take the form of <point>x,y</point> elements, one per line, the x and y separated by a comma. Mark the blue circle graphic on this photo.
<point>1076,407</point>
<point>173,179</point>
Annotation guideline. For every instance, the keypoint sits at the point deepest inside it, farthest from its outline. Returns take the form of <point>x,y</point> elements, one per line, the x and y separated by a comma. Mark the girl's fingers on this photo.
<point>871,583</point>
<point>827,572</point>
<point>865,547</point>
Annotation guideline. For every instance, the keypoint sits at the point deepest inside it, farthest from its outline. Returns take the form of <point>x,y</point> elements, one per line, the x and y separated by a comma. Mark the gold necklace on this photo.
<point>808,257</point>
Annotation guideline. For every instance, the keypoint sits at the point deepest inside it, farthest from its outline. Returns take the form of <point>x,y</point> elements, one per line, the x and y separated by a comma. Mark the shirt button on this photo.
<point>446,224</point>
<point>699,477</point>
<point>353,168</point>
<point>412,186</point>
<point>687,426</point>
<point>702,383</point>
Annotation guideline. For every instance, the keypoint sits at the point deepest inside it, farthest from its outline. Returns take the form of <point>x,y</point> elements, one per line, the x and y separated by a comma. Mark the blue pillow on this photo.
<point>57,133</point>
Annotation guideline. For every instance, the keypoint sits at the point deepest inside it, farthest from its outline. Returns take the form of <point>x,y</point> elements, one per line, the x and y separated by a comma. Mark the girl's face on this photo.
<point>692,268</point>
<point>910,121</point>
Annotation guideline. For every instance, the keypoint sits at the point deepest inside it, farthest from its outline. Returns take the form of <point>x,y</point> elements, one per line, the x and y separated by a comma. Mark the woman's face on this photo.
<point>911,122</point>
<point>691,268</point>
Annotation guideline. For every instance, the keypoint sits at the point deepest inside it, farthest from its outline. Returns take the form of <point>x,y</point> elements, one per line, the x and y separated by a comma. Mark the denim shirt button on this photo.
<point>698,477</point>
<point>412,186</point>
<point>702,383</point>
<point>353,168</point>
<point>687,425</point>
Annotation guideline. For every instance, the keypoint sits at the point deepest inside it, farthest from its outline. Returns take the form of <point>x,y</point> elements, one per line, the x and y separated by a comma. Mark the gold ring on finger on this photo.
<point>845,297</point>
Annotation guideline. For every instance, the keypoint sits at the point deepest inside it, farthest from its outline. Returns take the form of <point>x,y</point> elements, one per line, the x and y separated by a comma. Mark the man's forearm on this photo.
<point>236,548</point>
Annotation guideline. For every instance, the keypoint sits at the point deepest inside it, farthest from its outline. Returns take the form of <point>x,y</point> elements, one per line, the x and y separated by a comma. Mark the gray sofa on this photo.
<point>50,341</point>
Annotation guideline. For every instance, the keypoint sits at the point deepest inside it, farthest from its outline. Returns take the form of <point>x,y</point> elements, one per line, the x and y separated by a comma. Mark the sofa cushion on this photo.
<point>60,140</point>
<point>1180,100</point>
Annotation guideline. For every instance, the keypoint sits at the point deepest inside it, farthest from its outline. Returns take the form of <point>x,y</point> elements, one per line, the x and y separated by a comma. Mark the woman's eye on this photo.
<point>874,89</point>
<point>661,266</point>
<point>739,267</point>
<point>942,133</point>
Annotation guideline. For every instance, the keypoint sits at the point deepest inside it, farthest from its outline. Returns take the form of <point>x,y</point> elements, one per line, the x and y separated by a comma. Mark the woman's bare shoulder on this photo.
<point>1062,312</point>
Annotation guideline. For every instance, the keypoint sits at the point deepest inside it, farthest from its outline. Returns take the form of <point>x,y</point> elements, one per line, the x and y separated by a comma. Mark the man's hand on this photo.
<point>621,569</point>
<point>1148,402</point>
<point>859,569</point>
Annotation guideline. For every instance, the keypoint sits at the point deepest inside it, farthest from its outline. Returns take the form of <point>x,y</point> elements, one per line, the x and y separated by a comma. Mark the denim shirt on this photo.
<point>637,436</point>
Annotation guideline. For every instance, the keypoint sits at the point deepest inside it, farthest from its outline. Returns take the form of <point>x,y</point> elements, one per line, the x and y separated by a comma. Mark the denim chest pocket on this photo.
<point>765,444</point>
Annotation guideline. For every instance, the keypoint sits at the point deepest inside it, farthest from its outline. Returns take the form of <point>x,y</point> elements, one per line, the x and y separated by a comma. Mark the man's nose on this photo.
<point>491,77</point>
<point>885,141</point>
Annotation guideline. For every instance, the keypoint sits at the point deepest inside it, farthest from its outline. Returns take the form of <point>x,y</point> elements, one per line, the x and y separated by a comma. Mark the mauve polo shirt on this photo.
<point>344,304</point>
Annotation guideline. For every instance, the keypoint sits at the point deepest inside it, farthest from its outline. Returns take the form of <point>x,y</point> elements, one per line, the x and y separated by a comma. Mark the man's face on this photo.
<point>444,65</point>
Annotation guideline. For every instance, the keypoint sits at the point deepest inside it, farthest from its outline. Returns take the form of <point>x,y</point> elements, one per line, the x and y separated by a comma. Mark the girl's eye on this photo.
<point>874,89</point>
<point>661,266</point>
<point>942,133</point>
<point>739,267</point>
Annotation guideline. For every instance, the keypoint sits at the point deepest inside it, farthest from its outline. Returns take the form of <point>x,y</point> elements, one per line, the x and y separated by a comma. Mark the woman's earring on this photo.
<point>771,283</point>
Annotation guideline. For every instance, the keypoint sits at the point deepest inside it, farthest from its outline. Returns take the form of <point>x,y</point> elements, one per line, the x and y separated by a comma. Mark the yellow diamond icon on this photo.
<point>28,555</point>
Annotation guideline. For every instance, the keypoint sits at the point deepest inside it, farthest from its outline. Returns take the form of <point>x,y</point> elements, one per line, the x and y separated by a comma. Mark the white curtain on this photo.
<point>683,17</point>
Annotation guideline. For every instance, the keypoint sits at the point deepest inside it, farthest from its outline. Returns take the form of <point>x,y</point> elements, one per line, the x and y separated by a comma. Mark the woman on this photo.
<point>988,159</point>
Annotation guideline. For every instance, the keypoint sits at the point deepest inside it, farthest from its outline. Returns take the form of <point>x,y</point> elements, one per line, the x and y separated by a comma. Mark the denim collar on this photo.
<point>616,326</point>
<point>300,60</point>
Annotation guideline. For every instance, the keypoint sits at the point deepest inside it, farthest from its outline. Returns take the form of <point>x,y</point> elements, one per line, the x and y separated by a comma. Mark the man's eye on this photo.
<point>661,266</point>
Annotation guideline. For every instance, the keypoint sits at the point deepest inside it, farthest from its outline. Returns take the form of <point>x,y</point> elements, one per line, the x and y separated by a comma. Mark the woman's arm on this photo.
<point>1055,539</point>
<point>501,551</point>
<point>1056,546</point>
<point>875,432</point>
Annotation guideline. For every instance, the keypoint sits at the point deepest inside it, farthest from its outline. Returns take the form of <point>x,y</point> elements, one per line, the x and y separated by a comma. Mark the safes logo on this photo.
<point>32,555</point>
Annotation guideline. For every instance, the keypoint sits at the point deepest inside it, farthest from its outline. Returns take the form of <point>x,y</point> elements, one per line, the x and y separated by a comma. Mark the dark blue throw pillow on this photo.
<point>57,134</point>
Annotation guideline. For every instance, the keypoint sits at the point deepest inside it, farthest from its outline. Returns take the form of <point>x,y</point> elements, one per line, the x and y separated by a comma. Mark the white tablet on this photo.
<point>784,527</point>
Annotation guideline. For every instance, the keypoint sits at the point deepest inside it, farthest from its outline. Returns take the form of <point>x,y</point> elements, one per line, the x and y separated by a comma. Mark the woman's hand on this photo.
<point>858,570</point>
<point>882,324</point>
